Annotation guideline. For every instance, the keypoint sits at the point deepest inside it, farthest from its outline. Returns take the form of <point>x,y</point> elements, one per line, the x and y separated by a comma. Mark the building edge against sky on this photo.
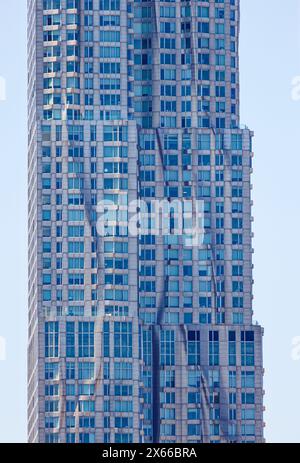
<point>139,339</point>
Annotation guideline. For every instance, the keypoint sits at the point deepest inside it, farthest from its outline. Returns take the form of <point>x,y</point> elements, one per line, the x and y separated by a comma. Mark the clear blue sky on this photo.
<point>270,58</point>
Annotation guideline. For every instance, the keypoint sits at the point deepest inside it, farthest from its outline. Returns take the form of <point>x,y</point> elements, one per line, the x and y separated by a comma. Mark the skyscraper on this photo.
<point>136,335</point>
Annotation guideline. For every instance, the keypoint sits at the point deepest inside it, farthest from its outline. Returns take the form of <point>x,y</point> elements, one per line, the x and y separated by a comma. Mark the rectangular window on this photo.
<point>194,348</point>
<point>51,339</point>
<point>86,339</point>
<point>123,339</point>
<point>70,339</point>
<point>167,347</point>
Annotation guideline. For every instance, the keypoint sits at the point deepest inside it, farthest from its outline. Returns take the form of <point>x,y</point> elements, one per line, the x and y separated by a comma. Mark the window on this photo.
<point>194,348</point>
<point>231,348</point>
<point>86,339</point>
<point>51,339</point>
<point>248,379</point>
<point>247,348</point>
<point>214,348</point>
<point>123,339</point>
<point>123,370</point>
<point>86,370</point>
<point>70,339</point>
<point>167,347</point>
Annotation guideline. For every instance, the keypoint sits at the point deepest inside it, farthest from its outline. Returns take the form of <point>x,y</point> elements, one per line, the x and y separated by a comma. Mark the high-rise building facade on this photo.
<point>139,336</point>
